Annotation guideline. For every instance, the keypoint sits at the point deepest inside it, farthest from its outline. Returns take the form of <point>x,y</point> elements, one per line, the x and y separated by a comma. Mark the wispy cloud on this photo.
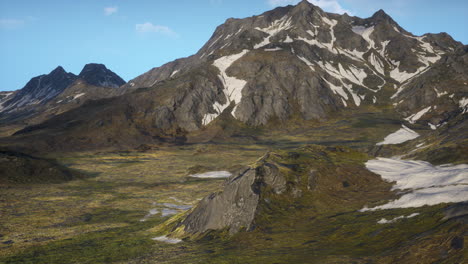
<point>327,5</point>
<point>6,23</point>
<point>110,10</point>
<point>148,27</point>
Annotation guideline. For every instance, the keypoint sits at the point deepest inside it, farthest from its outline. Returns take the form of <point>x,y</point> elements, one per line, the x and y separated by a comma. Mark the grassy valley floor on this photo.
<point>108,216</point>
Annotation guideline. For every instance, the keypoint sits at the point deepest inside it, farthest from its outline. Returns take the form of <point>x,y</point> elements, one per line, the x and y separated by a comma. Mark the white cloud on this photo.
<point>148,27</point>
<point>110,10</point>
<point>327,5</point>
<point>11,23</point>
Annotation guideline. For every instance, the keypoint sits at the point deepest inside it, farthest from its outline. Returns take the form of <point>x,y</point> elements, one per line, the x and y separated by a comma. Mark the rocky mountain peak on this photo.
<point>58,70</point>
<point>381,17</point>
<point>40,89</point>
<point>305,5</point>
<point>99,75</point>
<point>304,9</point>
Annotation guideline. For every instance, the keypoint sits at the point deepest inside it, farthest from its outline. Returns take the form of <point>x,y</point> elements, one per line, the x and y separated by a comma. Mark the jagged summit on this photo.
<point>41,89</point>
<point>381,17</point>
<point>98,75</point>
<point>49,94</point>
<point>304,4</point>
<point>59,69</point>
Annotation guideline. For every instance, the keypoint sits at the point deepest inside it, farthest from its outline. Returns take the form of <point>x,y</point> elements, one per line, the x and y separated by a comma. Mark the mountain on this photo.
<point>40,89</point>
<point>47,95</point>
<point>98,75</point>
<point>360,127</point>
<point>288,63</point>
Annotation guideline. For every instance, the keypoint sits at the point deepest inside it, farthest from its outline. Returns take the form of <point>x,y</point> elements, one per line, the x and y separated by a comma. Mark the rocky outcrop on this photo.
<point>236,206</point>
<point>317,179</point>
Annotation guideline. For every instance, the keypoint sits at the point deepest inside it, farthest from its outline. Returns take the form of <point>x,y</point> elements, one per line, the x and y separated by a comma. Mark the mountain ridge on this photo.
<point>294,60</point>
<point>49,94</point>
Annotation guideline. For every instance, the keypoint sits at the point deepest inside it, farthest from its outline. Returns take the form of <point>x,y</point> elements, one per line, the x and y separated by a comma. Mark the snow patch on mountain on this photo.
<point>415,117</point>
<point>288,39</point>
<point>337,75</point>
<point>338,90</point>
<point>307,62</point>
<point>274,28</point>
<point>332,23</point>
<point>424,183</point>
<point>273,49</point>
<point>232,86</point>
<point>174,73</point>
<point>376,63</point>
<point>318,44</point>
<point>78,96</point>
<point>354,75</point>
<point>352,54</point>
<point>385,221</point>
<point>463,103</point>
<point>440,94</point>
<point>402,135</point>
<point>365,34</point>
<point>4,99</point>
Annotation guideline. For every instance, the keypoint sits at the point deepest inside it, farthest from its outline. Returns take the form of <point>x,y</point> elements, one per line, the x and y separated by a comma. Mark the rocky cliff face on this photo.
<point>300,58</point>
<point>440,94</point>
<point>236,206</point>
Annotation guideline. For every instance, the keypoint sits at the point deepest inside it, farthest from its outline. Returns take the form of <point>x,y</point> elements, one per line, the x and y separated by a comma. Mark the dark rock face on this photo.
<point>98,75</point>
<point>41,89</point>
<point>236,206</point>
<point>440,90</point>
<point>310,178</point>
<point>300,58</point>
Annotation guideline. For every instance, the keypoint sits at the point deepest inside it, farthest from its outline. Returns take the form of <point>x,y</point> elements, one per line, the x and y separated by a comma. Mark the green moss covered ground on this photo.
<point>97,219</point>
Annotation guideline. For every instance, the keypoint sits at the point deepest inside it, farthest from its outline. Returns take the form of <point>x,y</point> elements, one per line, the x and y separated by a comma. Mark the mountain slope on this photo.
<point>40,89</point>
<point>48,95</point>
<point>291,62</point>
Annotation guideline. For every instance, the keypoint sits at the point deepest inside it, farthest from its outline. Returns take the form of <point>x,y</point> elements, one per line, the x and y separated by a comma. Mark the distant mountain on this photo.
<point>40,90</point>
<point>98,75</point>
<point>47,95</point>
<point>288,63</point>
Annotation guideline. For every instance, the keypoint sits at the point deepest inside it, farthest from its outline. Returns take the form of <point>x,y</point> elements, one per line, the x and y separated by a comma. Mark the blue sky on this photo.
<point>131,37</point>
